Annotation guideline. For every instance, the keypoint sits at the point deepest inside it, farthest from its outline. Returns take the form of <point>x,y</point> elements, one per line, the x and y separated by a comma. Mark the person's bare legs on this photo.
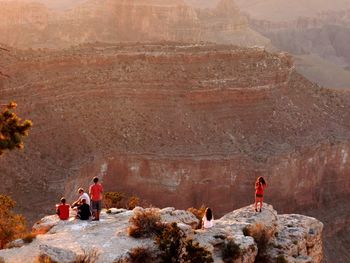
<point>261,202</point>
<point>258,200</point>
<point>256,204</point>
<point>97,215</point>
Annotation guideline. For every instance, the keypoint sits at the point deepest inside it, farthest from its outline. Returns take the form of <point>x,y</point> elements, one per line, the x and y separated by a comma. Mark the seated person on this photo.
<point>82,195</point>
<point>62,209</point>
<point>83,210</point>
<point>208,219</point>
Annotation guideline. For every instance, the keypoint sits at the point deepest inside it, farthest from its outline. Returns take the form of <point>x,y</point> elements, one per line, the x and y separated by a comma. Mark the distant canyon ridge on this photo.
<point>316,32</point>
<point>180,125</point>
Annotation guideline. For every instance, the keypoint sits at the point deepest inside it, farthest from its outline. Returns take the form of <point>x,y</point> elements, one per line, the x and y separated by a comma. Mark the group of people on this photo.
<point>260,185</point>
<point>87,205</point>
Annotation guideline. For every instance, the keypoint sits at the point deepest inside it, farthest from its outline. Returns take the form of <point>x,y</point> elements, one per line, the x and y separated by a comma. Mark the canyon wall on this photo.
<point>180,125</point>
<point>35,25</point>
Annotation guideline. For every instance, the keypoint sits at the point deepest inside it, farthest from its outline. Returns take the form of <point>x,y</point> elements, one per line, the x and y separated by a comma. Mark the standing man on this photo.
<point>95,192</point>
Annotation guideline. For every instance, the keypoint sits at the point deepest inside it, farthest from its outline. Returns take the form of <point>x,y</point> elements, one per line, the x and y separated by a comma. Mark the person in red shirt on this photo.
<point>96,191</point>
<point>62,209</point>
<point>260,185</point>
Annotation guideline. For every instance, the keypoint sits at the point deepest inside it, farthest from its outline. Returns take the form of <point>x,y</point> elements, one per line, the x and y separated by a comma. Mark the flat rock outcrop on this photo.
<point>295,238</point>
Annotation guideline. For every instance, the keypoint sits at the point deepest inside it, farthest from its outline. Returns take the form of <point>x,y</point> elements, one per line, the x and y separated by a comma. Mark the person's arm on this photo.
<point>57,211</point>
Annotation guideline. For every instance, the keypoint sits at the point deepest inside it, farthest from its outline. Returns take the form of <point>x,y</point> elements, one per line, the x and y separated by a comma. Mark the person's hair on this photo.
<point>81,190</point>
<point>63,200</point>
<point>83,200</point>
<point>95,180</point>
<point>208,214</point>
<point>261,180</point>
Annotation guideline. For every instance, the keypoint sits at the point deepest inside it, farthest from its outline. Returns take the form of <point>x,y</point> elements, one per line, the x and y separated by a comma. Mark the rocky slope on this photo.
<point>35,25</point>
<point>294,237</point>
<point>177,124</point>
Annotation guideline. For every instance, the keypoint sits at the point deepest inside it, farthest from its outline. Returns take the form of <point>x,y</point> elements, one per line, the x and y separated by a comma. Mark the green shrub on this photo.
<point>262,238</point>
<point>281,259</point>
<point>171,242</point>
<point>140,255</point>
<point>90,256</point>
<point>12,226</point>
<point>112,199</point>
<point>175,248</point>
<point>199,213</point>
<point>196,254</point>
<point>230,251</point>
<point>44,259</point>
<point>145,223</point>
<point>132,202</point>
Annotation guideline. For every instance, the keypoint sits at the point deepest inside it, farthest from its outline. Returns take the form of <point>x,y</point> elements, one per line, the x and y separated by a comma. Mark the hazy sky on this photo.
<point>55,4</point>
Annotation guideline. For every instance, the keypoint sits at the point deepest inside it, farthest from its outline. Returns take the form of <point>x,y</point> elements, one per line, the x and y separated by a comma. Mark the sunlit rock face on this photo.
<point>35,25</point>
<point>296,238</point>
<point>176,124</point>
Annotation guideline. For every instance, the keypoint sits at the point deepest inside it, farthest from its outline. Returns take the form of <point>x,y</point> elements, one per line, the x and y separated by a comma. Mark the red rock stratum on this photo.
<point>178,125</point>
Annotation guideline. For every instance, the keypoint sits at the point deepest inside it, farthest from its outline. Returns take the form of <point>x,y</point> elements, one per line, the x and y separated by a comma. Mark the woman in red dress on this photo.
<point>260,185</point>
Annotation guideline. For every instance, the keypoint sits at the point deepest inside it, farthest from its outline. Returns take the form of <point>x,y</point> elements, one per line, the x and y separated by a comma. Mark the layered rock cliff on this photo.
<point>177,124</point>
<point>34,25</point>
<point>292,237</point>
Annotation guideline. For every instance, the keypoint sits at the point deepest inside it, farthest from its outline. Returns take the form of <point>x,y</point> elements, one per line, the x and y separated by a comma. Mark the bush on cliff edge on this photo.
<point>12,226</point>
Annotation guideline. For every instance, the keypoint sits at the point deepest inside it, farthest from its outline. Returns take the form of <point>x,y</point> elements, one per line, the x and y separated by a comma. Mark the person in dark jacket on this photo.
<point>83,211</point>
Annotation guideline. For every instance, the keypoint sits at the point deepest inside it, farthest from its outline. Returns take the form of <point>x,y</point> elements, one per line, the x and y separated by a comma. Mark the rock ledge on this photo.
<point>296,238</point>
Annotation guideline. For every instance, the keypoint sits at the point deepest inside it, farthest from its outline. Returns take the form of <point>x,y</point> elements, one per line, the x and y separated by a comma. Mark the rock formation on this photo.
<point>178,125</point>
<point>295,238</point>
<point>34,25</point>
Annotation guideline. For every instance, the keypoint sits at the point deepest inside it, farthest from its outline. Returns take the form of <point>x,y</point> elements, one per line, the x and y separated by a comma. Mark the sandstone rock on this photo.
<point>298,237</point>
<point>116,210</point>
<point>15,243</point>
<point>45,224</point>
<point>171,215</point>
<point>54,254</point>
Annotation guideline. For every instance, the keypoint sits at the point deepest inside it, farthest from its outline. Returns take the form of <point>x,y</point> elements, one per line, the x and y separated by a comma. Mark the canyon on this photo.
<point>36,25</point>
<point>181,125</point>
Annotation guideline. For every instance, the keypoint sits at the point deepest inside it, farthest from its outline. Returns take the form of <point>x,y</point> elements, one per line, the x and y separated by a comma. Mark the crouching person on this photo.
<point>62,209</point>
<point>83,210</point>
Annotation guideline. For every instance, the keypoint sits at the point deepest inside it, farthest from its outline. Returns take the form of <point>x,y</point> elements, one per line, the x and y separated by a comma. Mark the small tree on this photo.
<point>175,247</point>
<point>195,253</point>
<point>112,199</point>
<point>12,226</point>
<point>12,129</point>
<point>171,243</point>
